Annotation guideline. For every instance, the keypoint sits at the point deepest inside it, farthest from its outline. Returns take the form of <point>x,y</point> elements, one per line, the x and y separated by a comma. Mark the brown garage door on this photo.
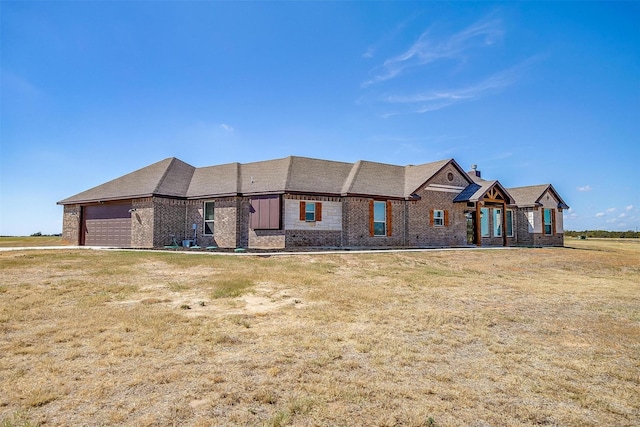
<point>107,225</point>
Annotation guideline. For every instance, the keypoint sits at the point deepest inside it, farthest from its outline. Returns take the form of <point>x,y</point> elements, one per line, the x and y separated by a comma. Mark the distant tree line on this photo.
<point>604,234</point>
<point>39,234</point>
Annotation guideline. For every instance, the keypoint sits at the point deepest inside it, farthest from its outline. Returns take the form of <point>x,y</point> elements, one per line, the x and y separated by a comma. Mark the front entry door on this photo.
<point>471,228</point>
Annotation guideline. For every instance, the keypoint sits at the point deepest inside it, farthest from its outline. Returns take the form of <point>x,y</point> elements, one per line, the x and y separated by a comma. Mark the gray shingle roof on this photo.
<point>172,177</point>
<point>219,180</point>
<point>417,175</point>
<point>168,177</point>
<point>531,195</point>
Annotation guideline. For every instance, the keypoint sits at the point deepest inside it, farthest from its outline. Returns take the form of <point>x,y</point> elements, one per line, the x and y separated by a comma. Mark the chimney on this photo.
<point>474,172</point>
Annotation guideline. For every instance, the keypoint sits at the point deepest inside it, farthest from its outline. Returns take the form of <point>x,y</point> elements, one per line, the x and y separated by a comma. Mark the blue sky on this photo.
<point>531,92</point>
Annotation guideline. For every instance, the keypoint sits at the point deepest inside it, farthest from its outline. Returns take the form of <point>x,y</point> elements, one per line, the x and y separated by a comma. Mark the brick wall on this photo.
<point>422,233</point>
<point>169,220</point>
<point>71,224</point>
<point>523,232</point>
<point>267,239</point>
<point>225,227</point>
<point>533,235</point>
<point>142,223</point>
<point>355,217</point>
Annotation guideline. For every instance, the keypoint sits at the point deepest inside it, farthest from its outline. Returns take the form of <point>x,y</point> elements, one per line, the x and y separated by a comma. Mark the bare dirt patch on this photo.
<point>519,337</point>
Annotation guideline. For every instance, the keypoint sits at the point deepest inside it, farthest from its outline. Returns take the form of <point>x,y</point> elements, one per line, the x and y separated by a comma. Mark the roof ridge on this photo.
<point>238,166</point>
<point>287,180</point>
<point>351,177</point>
<point>164,175</point>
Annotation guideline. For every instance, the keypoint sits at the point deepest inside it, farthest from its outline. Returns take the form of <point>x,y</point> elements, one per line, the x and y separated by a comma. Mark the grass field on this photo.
<point>517,337</point>
<point>30,241</point>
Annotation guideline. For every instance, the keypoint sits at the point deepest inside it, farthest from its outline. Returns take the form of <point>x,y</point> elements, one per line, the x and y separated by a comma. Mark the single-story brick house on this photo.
<point>299,202</point>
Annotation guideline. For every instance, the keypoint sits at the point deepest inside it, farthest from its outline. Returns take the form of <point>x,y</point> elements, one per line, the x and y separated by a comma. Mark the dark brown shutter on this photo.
<point>303,208</point>
<point>553,222</point>
<point>265,213</point>
<point>389,216</point>
<point>318,211</point>
<point>431,217</point>
<point>446,218</point>
<point>255,215</point>
<point>274,212</point>
<point>370,217</point>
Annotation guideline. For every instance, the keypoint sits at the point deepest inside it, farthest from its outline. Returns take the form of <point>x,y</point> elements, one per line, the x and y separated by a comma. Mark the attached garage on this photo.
<point>107,225</point>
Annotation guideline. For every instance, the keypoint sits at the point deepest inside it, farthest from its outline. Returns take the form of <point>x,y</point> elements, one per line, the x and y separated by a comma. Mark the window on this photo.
<point>509,223</point>
<point>484,222</point>
<point>265,213</point>
<point>208,218</point>
<point>497,222</point>
<point>438,218</point>
<point>548,221</point>
<point>310,211</point>
<point>379,219</point>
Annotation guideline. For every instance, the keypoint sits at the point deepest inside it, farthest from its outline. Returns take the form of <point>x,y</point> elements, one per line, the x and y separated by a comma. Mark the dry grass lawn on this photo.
<point>439,338</point>
<point>31,241</point>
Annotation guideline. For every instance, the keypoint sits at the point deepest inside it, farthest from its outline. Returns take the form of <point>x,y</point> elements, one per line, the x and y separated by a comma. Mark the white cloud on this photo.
<point>611,210</point>
<point>599,214</point>
<point>369,53</point>
<point>428,49</point>
<point>226,127</point>
<point>622,215</point>
<point>629,208</point>
<point>585,188</point>
<point>437,100</point>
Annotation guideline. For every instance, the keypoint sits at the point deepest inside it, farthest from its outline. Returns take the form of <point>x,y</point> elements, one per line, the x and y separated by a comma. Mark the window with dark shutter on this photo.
<point>310,211</point>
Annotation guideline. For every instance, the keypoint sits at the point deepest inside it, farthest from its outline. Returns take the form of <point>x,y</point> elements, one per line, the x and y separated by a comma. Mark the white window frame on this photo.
<point>497,222</point>
<point>484,216</point>
<point>377,220</point>
<point>310,214</point>
<point>209,222</point>
<point>438,218</point>
<point>510,222</point>
<point>545,224</point>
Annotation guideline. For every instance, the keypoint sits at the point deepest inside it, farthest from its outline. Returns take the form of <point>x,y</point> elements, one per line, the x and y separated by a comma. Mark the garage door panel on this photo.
<point>107,225</point>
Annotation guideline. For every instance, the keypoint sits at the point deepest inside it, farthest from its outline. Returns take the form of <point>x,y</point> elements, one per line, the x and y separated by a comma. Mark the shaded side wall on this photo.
<point>142,220</point>
<point>71,224</point>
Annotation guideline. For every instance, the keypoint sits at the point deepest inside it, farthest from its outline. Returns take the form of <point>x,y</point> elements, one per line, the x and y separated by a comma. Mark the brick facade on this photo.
<point>71,224</point>
<point>169,219</point>
<point>160,220</point>
<point>142,223</point>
